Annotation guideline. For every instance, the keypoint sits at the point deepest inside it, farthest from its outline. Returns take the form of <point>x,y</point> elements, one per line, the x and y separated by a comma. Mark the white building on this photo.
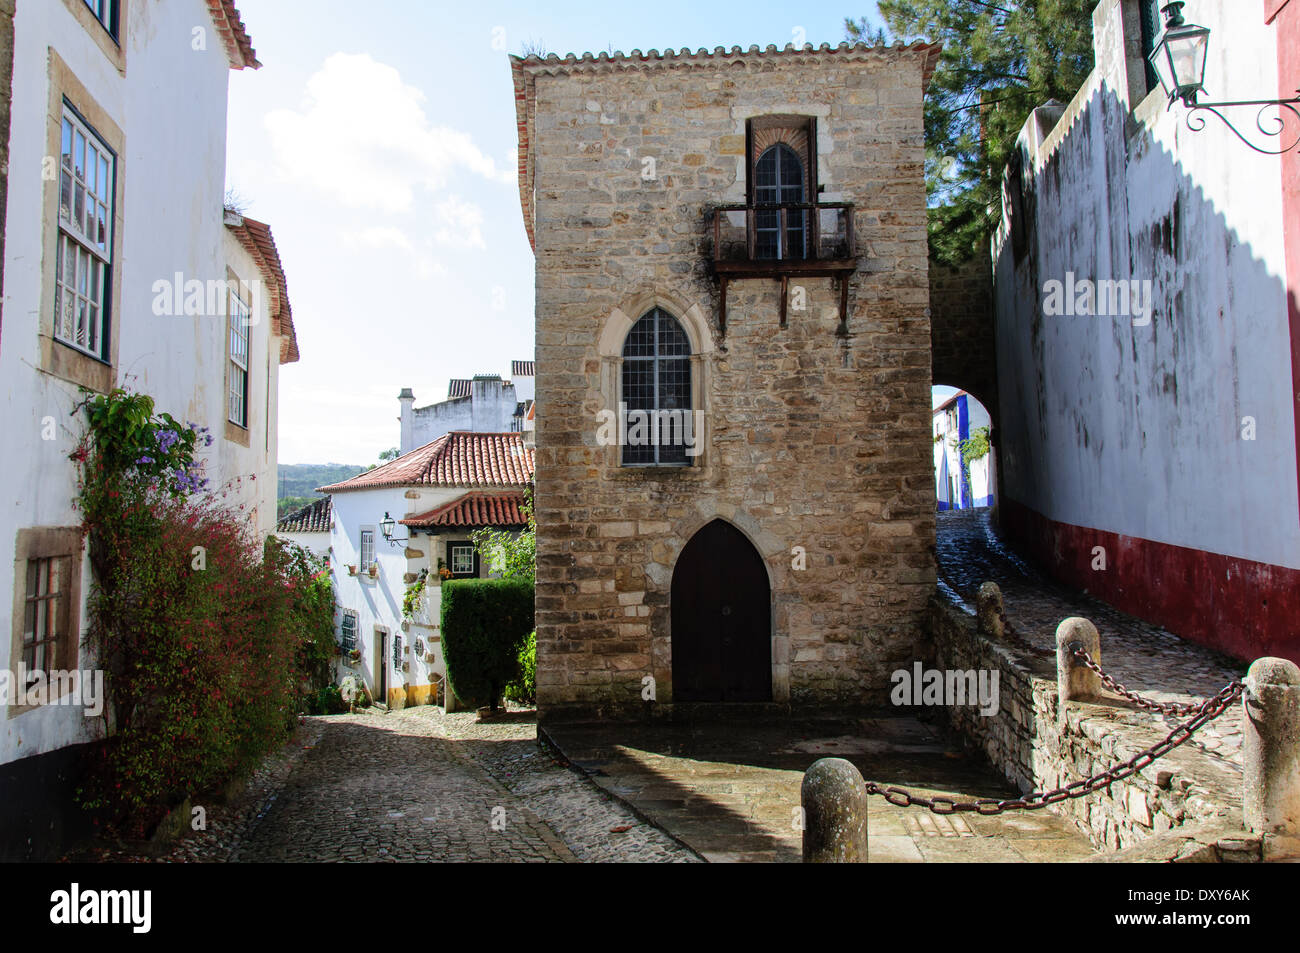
<point>434,496</point>
<point>485,403</point>
<point>122,108</point>
<point>1147,277</point>
<point>958,487</point>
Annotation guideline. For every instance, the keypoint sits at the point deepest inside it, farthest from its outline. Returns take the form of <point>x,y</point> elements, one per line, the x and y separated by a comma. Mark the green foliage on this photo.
<point>511,554</point>
<point>411,598</point>
<point>1000,60</point>
<point>485,623</point>
<point>208,639</point>
<point>326,701</point>
<point>524,688</point>
<point>290,504</point>
<point>301,479</point>
<point>392,453</point>
<point>975,446</point>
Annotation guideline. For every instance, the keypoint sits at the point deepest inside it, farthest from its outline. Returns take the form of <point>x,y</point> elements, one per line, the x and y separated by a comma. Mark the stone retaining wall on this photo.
<point>1025,742</point>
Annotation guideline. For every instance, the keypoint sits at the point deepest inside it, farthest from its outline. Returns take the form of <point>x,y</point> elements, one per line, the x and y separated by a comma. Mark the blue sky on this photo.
<point>377,140</point>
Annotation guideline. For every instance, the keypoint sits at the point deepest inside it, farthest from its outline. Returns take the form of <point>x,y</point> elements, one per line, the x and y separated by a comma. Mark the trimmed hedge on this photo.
<point>485,624</point>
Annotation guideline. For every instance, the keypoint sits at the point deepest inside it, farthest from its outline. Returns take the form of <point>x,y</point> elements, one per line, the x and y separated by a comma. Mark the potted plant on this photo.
<point>374,569</point>
<point>354,656</point>
<point>352,569</point>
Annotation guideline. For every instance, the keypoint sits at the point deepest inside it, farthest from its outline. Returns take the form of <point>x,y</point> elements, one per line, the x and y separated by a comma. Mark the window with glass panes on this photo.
<point>367,548</point>
<point>83,259</point>
<point>348,630</point>
<point>45,613</point>
<point>238,371</point>
<point>460,558</point>
<point>778,180</point>
<point>105,12</point>
<point>656,378</point>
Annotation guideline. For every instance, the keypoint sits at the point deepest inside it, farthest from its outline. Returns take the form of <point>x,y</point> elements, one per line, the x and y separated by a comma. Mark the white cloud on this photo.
<point>460,223</point>
<point>362,135</point>
<point>381,237</point>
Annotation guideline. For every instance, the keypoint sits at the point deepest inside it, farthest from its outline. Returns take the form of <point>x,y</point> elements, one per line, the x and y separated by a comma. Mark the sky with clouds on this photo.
<point>378,141</point>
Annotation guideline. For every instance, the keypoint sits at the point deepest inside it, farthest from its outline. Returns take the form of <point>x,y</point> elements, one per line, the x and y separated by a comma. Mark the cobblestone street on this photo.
<point>420,786</point>
<point>1157,664</point>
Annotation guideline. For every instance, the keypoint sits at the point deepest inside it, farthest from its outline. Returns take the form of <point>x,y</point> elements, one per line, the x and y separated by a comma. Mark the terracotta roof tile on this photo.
<point>257,240</point>
<point>459,458</point>
<point>312,518</point>
<point>239,45</point>
<point>474,510</point>
<point>523,368</point>
<point>459,387</point>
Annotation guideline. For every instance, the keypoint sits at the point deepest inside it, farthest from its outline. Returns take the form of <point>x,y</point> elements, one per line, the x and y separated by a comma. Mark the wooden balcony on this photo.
<point>780,242</point>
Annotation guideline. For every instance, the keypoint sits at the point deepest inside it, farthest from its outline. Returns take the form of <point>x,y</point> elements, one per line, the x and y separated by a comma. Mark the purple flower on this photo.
<point>145,459</point>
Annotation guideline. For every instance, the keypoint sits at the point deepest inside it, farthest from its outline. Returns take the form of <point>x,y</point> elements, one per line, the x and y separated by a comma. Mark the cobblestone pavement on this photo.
<point>1143,657</point>
<point>734,797</point>
<point>419,785</point>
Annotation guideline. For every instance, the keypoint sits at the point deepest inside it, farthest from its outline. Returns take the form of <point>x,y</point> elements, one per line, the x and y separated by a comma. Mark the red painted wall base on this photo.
<point>1242,608</point>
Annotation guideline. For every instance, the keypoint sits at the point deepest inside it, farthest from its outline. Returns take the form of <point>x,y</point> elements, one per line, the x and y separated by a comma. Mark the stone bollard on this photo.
<point>988,611</point>
<point>1271,749</point>
<point>1073,681</point>
<point>835,813</point>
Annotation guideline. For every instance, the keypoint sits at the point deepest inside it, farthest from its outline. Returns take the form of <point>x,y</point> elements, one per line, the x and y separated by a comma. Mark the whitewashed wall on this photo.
<point>1138,429</point>
<point>171,108</point>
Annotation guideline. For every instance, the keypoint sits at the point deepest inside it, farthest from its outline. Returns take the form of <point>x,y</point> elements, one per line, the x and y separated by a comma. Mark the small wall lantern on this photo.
<point>386,526</point>
<point>1179,61</point>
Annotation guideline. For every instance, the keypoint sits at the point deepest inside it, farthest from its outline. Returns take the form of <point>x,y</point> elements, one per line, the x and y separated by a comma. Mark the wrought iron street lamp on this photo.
<point>1179,61</point>
<point>386,526</point>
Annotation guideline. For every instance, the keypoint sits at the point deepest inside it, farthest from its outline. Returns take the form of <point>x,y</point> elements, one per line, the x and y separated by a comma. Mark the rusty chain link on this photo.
<point>1206,712</point>
<point>1164,708</point>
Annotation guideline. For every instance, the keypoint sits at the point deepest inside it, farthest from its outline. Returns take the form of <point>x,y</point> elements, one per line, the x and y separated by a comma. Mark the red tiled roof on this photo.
<point>525,70</point>
<point>459,387</point>
<point>474,510</point>
<point>257,240</point>
<point>459,458</point>
<point>239,45</point>
<point>312,518</point>
<point>523,368</point>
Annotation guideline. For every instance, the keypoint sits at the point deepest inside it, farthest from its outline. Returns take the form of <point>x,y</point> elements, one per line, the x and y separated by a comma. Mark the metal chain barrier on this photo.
<point>1164,708</point>
<point>1204,713</point>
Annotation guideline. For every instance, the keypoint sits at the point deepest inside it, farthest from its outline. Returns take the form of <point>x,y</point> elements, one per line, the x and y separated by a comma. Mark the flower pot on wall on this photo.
<point>374,570</point>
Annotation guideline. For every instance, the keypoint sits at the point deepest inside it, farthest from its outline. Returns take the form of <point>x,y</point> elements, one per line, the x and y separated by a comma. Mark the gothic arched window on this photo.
<point>656,398</point>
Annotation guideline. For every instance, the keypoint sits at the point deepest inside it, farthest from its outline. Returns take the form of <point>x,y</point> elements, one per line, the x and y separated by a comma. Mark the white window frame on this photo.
<point>237,391</point>
<point>453,551</point>
<point>84,244</point>
<point>364,563</point>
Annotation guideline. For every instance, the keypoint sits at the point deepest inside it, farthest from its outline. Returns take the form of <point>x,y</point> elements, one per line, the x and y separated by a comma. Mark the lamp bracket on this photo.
<point>1273,127</point>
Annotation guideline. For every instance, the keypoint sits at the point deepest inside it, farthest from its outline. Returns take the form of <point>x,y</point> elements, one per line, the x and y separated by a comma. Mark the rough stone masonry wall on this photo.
<point>1025,742</point>
<point>812,440</point>
<point>962,329</point>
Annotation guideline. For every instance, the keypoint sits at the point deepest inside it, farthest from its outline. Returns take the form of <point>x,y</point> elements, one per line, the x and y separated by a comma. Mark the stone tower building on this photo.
<point>735,494</point>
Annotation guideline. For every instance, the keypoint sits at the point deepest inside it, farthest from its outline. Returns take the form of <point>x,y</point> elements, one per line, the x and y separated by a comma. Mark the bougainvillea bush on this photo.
<point>207,636</point>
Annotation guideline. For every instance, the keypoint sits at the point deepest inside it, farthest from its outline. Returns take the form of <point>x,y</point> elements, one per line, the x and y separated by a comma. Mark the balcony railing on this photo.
<point>763,238</point>
<point>784,241</point>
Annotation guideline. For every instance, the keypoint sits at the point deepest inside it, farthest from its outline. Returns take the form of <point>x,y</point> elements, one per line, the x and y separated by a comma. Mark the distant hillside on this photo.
<point>301,479</point>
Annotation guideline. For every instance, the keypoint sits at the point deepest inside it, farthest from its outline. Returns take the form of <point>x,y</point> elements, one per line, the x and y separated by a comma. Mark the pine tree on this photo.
<point>1001,59</point>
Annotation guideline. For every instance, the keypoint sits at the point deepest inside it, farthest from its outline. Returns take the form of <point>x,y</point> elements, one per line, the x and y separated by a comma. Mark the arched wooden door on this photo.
<point>721,619</point>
